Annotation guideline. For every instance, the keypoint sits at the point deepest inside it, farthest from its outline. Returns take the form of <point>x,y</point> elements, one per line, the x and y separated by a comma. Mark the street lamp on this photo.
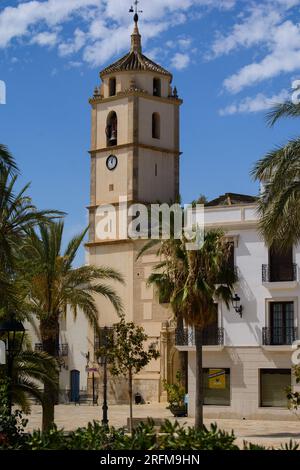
<point>102,361</point>
<point>12,333</point>
<point>236,302</point>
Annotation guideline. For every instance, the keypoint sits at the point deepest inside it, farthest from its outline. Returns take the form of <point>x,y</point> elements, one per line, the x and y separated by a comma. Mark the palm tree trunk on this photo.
<point>49,343</point>
<point>130,400</point>
<point>199,399</point>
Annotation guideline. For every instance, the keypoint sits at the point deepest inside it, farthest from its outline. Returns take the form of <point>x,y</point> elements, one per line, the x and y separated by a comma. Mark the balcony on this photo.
<point>63,349</point>
<point>280,276</point>
<point>279,337</point>
<point>212,339</point>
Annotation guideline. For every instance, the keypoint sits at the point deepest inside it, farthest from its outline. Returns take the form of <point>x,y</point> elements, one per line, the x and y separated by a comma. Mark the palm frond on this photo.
<point>287,109</point>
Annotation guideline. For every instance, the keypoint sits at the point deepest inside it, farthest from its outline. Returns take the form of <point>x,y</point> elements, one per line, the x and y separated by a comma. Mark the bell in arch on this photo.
<point>112,130</point>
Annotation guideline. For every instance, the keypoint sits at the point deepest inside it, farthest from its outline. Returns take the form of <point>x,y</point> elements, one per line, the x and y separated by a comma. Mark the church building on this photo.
<point>135,154</point>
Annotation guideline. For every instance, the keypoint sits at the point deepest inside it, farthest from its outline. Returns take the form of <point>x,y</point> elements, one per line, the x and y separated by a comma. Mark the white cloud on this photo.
<point>180,61</point>
<point>17,21</point>
<point>105,24</point>
<point>74,45</point>
<point>45,39</point>
<point>255,104</point>
<point>283,57</point>
<point>276,37</point>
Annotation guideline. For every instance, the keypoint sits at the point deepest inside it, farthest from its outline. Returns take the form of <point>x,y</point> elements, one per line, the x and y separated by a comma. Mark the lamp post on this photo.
<point>236,302</point>
<point>12,333</point>
<point>102,361</point>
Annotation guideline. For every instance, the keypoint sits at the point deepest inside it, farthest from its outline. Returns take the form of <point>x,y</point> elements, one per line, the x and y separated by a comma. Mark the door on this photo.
<point>281,265</point>
<point>75,383</point>
<point>282,323</point>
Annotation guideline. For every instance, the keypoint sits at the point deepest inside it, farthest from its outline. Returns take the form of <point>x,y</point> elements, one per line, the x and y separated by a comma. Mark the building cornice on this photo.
<point>93,152</point>
<point>136,92</point>
<point>109,242</point>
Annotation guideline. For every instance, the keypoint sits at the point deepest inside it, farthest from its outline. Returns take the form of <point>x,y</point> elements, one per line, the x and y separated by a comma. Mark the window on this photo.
<point>281,265</point>
<point>281,323</point>
<point>156,87</point>
<point>155,126</point>
<point>217,387</point>
<point>273,383</point>
<point>112,86</point>
<point>112,129</point>
<point>155,170</point>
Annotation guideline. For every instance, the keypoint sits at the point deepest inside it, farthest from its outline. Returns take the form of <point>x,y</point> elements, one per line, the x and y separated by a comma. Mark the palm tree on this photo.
<point>196,281</point>
<point>165,277</point>
<point>279,173</point>
<point>53,284</point>
<point>17,216</point>
<point>7,160</point>
<point>30,372</point>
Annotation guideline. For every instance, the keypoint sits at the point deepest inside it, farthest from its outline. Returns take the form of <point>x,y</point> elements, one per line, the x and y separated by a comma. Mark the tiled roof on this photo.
<point>134,61</point>
<point>230,199</point>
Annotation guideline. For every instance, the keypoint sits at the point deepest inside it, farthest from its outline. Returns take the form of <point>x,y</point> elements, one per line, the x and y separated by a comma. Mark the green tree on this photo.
<point>30,372</point>
<point>127,354</point>
<point>52,284</point>
<point>195,280</point>
<point>279,172</point>
<point>294,396</point>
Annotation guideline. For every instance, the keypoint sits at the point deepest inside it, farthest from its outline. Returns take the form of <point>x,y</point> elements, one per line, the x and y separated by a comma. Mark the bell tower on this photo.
<point>134,156</point>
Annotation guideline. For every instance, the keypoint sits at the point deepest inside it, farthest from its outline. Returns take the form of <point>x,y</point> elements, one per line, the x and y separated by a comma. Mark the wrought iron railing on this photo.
<point>62,351</point>
<point>211,336</point>
<point>279,336</point>
<point>279,273</point>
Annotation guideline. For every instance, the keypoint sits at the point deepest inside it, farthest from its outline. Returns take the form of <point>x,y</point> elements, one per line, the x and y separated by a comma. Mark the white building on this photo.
<point>72,348</point>
<point>247,359</point>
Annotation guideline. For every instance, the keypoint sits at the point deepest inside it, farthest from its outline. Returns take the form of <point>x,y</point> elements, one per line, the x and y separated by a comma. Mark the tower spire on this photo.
<point>136,39</point>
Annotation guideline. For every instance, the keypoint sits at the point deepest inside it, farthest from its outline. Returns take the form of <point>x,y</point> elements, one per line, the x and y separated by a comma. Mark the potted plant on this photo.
<point>176,396</point>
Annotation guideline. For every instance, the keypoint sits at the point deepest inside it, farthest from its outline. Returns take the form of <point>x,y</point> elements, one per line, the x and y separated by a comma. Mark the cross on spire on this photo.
<point>136,44</point>
<point>135,10</point>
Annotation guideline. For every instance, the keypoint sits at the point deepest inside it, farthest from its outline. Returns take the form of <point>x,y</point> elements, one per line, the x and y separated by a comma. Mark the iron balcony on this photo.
<point>62,351</point>
<point>212,336</point>
<point>279,273</point>
<point>279,336</point>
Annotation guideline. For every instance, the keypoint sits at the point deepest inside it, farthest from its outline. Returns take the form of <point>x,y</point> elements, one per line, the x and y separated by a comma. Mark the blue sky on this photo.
<point>231,60</point>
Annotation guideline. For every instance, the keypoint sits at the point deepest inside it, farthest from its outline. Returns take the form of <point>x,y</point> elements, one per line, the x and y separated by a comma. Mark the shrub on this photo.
<point>11,424</point>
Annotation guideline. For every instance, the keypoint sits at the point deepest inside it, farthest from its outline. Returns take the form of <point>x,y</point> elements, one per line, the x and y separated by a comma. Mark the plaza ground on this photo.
<point>268,433</point>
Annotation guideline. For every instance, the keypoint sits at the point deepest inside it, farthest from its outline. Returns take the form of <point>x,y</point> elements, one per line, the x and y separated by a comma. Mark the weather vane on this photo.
<point>135,10</point>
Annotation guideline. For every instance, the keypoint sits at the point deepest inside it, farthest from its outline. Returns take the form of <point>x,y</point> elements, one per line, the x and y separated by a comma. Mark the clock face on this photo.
<point>111,162</point>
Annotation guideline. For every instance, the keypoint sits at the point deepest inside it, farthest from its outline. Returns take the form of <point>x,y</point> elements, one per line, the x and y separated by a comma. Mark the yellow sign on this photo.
<point>216,379</point>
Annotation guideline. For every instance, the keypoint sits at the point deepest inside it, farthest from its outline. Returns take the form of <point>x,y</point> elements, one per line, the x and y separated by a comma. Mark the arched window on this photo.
<point>112,86</point>
<point>112,129</point>
<point>155,126</point>
<point>156,87</point>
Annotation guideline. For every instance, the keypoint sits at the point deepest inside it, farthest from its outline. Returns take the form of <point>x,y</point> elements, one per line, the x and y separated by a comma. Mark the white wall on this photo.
<point>75,334</point>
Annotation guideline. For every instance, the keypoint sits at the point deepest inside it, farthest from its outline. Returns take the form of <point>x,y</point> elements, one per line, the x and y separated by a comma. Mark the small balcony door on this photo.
<point>281,265</point>
<point>282,323</point>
